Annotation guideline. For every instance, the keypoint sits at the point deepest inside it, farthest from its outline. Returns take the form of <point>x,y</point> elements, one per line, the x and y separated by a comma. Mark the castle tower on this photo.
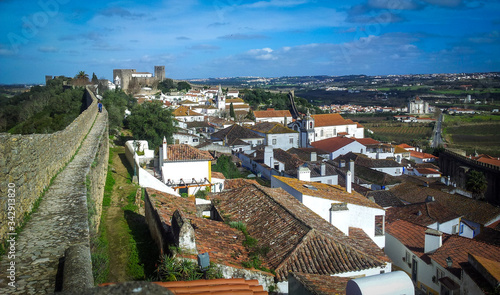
<point>160,73</point>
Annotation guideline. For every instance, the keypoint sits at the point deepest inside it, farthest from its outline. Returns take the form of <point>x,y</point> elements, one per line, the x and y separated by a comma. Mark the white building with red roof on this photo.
<point>271,115</point>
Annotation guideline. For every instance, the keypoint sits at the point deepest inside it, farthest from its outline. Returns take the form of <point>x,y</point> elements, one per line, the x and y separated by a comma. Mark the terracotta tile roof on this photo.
<point>183,111</point>
<point>421,155</point>
<point>330,120</point>
<point>291,161</point>
<point>487,159</point>
<point>405,146</point>
<point>364,161</point>
<point>298,239</point>
<point>218,175</point>
<point>400,150</point>
<point>271,128</point>
<point>384,198</point>
<point>328,191</point>
<point>215,287</point>
<point>413,237</point>
<point>473,210</point>
<point>237,183</point>
<point>234,100</point>
<point>427,171</point>
<point>367,141</point>
<point>184,152</point>
<point>321,284</point>
<point>305,153</point>
<point>234,134</point>
<point>223,243</point>
<point>272,113</point>
<point>492,266</point>
<point>410,235</point>
<point>423,214</point>
<point>332,144</point>
<point>458,249</point>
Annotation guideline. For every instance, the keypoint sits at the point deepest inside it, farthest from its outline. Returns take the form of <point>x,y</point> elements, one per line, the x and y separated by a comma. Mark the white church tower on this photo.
<point>221,100</point>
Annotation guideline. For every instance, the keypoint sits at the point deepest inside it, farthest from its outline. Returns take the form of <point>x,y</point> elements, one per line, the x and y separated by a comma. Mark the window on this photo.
<point>439,274</point>
<point>274,141</point>
<point>379,225</point>
<point>461,228</point>
<point>291,140</point>
<point>454,230</point>
<point>407,258</point>
<point>322,134</point>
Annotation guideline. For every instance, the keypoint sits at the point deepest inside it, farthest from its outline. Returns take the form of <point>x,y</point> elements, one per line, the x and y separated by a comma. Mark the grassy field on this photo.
<point>473,133</point>
<point>400,132</point>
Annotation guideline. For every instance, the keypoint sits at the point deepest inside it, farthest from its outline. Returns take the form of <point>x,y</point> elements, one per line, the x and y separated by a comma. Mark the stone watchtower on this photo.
<point>160,73</point>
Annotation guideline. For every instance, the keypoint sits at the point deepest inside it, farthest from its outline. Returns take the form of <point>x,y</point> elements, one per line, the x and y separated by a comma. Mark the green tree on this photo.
<point>232,114</point>
<point>476,183</point>
<point>95,80</point>
<point>116,102</point>
<point>166,85</point>
<point>151,121</point>
<point>226,166</point>
<point>183,86</point>
<point>250,115</point>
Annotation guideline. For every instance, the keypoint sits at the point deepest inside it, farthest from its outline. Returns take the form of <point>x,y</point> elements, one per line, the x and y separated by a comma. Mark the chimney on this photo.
<point>351,169</point>
<point>314,157</point>
<point>304,174</point>
<point>268,156</point>
<point>342,163</point>
<point>433,240</point>
<point>323,169</point>
<point>164,149</point>
<point>348,180</point>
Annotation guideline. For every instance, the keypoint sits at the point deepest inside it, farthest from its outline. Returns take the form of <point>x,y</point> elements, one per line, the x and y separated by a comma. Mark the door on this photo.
<point>414,270</point>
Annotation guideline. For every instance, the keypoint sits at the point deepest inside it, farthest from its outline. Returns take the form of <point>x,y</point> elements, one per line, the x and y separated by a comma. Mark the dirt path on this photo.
<point>116,226</point>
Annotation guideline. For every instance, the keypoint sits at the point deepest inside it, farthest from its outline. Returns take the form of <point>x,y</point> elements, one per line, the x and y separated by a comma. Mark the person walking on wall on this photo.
<point>99,105</point>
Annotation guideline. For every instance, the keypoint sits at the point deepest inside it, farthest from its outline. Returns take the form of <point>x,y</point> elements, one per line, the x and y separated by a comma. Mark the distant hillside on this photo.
<point>44,109</point>
<point>260,99</point>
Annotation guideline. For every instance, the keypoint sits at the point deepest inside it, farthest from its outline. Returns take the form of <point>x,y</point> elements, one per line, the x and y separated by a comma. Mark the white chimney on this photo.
<point>314,157</point>
<point>268,156</point>
<point>433,240</point>
<point>323,169</point>
<point>348,180</point>
<point>164,149</point>
<point>351,169</point>
<point>304,174</point>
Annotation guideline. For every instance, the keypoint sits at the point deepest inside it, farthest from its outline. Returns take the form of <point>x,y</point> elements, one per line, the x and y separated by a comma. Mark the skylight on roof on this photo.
<point>310,187</point>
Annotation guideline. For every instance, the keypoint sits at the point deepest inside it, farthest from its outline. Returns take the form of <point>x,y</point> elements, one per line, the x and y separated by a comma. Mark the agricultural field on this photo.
<point>479,133</point>
<point>401,132</point>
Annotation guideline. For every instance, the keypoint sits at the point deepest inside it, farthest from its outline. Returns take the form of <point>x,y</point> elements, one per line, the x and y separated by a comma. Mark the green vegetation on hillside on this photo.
<point>151,121</point>
<point>260,99</point>
<point>116,102</point>
<point>44,109</point>
<point>227,167</point>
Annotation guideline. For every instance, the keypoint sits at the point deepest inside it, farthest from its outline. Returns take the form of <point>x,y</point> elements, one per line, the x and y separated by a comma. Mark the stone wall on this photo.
<point>31,161</point>
<point>97,178</point>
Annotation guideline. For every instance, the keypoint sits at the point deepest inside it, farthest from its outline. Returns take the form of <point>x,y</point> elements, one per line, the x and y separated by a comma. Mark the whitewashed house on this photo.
<point>343,208</point>
<point>277,135</point>
<point>185,168</point>
<point>271,115</point>
<point>338,146</point>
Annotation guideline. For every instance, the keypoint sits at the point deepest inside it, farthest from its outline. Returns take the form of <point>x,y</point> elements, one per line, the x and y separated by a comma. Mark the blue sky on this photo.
<point>222,38</point>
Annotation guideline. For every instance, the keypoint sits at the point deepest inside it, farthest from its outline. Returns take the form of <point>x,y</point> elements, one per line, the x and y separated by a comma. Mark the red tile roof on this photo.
<point>321,284</point>
<point>271,128</point>
<point>423,214</point>
<point>271,113</point>
<point>413,237</point>
<point>237,183</point>
<point>332,144</point>
<point>405,146</point>
<point>367,141</point>
<point>183,111</point>
<point>215,287</point>
<point>487,159</point>
<point>218,175</point>
<point>184,152</point>
<point>473,210</point>
<point>330,120</point>
<point>327,191</point>
<point>421,155</point>
<point>298,239</point>
<point>427,171</point>
<point>223,243</point>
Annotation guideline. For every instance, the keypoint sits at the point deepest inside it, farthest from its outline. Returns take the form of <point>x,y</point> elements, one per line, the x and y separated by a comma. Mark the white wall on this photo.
<point>376,155</point>
<point>148,180</point>
<point>354,147</point>
<point>394,171</point>
<point>328,179</point>
<point>280,120</point>
<point>283,140</point>
<point>185,170</point>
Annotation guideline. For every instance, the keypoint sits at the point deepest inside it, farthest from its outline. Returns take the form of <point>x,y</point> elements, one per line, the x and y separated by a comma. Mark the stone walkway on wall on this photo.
<point>57,224</point>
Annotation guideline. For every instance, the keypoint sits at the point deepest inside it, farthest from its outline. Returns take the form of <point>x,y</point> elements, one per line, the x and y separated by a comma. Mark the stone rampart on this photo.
<point>31,161</point>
